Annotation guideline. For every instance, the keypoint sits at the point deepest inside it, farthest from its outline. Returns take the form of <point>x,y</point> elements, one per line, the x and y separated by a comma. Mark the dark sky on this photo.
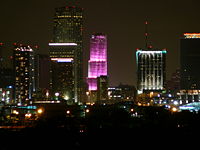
<point>30,22</point>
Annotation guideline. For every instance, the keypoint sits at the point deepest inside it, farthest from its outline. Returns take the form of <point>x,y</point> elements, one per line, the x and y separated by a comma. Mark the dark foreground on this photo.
<point>108,128</point>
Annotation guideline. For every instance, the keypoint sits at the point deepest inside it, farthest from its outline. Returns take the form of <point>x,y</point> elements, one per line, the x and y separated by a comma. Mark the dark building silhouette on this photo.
<point>190,61</point>
<point>102,88</point>
<point>42,69</point>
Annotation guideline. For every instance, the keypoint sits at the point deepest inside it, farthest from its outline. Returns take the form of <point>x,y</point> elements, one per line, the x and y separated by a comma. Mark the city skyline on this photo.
<point>31,23</point>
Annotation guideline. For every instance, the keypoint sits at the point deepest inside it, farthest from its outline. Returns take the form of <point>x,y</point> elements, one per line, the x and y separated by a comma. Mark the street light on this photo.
<point>174,109</point>
<point>40,111</point>
<point>87,110</point>
<point>68,112</point>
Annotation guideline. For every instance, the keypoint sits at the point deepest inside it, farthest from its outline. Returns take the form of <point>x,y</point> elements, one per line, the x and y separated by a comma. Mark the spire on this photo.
<point>146,34</point>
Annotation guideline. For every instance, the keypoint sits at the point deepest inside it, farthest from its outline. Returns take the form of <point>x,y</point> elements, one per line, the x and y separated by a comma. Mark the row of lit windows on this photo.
<point>64,16</point>
<point>61,52</point>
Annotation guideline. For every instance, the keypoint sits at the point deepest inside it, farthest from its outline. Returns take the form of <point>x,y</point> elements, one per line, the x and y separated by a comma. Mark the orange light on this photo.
<point>192,35</point>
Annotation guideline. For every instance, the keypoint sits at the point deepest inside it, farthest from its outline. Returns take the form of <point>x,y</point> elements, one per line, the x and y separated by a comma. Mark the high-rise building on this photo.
<point>189,61</point>
<point>66,53</point>
<point>63,70</point>
<point>42,69</point>
<point>151,67</point>
<point>97,65</point>
<point>24,85</point>
<point>102,88</point>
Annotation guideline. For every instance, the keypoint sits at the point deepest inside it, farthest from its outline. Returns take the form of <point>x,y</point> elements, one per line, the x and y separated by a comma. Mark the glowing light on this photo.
<point>57,94</point>
<point>15,112</point>
<point>98,59</point>
<point>150,52</point>
<point>66,97</point>
<point>40,111</point>
<point>192,35</point>
<point>68,111</point>
<point>24,48</point>
<point>28,115</point>
<point>174,109</point>
<point>87,110</point>
<point>62,59</point>
<point>62,44</point>
<point>47,94</point>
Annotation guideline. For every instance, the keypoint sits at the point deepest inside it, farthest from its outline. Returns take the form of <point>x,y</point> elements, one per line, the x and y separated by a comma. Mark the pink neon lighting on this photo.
<point>97,65</point>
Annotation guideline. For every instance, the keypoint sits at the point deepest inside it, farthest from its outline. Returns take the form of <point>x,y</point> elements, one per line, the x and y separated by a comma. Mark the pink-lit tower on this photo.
<point>97,65</point>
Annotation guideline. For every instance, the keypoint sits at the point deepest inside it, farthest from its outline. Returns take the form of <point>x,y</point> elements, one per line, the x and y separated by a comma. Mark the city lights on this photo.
<point>68,112</point>
<point>87,110</point>
<point>62,44</point>
<point>192,35</point>
<point>174,109</point>
<point>62,59</point>
<point>40,111</point>
<point>81,89</point>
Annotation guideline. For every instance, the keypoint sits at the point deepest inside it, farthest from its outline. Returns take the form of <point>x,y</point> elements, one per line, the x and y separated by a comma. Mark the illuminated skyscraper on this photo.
<point>97,65</point>
<point>66,53</point>
<point>151,73</point>
<point>190,61</point>
<point>24,85</point>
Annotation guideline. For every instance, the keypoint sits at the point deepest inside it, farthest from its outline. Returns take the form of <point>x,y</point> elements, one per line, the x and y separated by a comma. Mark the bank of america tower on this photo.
<point>66,54</point>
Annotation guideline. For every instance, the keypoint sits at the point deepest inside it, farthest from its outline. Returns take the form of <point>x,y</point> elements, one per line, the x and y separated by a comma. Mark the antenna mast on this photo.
<point>146,34</point>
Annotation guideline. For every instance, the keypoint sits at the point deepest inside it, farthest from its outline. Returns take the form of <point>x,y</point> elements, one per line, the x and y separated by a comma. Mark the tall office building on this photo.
<point>97,65</point>
<point>151,73</point>
<point>42,69</point>
<point>190,61</point>
<point>64,78</point>
<point>66,53</point>
<point>24,85</point>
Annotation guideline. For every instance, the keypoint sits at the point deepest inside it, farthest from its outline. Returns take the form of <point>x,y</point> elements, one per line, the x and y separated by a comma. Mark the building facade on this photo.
<point>97,65</point>
<point>66,52</point>
<point>24,85</point>
<point>63,71</point>
<point>189,61</point>
<point>151,70</point>
<point>102,88</point>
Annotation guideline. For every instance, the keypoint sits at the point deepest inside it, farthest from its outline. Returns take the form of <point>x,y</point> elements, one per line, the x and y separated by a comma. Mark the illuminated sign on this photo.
<point>192,35</point>
<point>62,59</point>
<point>62,44</point>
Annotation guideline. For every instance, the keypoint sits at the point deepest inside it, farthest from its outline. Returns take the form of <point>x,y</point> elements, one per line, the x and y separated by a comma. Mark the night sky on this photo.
<point>31,22</point>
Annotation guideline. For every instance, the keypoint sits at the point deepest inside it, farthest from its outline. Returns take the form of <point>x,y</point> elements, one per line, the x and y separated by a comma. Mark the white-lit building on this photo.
<point>151,70</point>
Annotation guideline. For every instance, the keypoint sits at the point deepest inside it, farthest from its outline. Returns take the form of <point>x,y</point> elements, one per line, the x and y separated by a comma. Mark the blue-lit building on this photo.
<point>151,70</point>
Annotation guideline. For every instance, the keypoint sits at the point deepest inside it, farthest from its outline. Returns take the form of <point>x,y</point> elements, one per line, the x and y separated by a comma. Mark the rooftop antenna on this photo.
<point>146,34</point>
